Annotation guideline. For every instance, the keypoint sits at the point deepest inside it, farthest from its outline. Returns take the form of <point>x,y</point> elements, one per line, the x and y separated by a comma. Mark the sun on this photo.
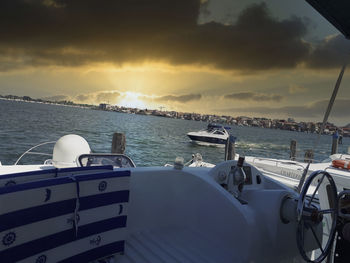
<point>132,100</point>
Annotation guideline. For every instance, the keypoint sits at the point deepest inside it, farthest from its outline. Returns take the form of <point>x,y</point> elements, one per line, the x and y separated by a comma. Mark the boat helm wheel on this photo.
<point>311,218</point>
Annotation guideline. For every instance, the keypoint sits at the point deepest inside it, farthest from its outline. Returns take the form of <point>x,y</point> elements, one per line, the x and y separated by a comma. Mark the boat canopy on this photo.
<point>212,126</point>
<point>336,12</point>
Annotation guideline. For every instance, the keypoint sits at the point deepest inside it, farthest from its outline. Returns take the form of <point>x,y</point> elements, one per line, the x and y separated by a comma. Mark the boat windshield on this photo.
<point>219,132</point>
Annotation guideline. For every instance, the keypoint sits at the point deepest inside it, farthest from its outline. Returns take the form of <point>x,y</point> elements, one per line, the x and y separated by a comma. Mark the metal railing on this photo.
<point>29,151</point>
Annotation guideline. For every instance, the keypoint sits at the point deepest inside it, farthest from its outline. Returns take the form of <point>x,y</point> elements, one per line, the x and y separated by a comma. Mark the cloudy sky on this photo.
<point>275,58</point>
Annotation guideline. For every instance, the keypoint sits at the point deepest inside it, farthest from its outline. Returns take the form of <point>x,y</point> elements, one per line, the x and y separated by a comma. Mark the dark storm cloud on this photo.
<point>330,53</point>
<point>317,109</point>
<point>181,98</point>
<point>79,32</point>
<point>261,97</point>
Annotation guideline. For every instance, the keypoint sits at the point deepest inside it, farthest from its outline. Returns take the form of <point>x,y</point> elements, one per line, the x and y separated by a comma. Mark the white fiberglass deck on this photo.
<point>187,216</point>
<point>170,245</point>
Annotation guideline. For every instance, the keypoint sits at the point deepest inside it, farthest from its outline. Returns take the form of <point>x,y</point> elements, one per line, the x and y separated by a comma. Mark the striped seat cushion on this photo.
<point>17,178</point>
<point>77,218</point>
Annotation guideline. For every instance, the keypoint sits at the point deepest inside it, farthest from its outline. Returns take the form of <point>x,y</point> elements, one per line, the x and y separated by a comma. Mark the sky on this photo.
<point>275,58</point>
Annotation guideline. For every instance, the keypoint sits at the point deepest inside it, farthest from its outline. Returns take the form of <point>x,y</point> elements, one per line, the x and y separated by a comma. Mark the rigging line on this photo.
<point>331,101</point>
<point>330,105</point>
<point>302,179</point>
<point>325,119</point>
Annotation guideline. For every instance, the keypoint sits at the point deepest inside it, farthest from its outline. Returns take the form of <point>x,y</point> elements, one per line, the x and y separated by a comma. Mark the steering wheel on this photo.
<point>309,217</point>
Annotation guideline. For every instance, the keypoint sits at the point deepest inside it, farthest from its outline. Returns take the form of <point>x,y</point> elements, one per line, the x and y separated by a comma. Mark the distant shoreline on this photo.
<point>51,103</point>
<point>290,124</point>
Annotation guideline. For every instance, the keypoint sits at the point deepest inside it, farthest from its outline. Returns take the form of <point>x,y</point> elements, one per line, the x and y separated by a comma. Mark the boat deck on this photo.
<point>176,245</point>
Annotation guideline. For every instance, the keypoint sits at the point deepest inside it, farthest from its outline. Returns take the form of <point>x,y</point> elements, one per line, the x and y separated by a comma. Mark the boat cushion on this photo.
<point>76,218</point>
<point>16,178</point>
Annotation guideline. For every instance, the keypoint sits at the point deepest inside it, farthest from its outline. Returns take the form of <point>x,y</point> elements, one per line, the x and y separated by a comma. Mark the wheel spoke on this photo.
<point>302,233</point>
<point>316,238</point>
<point>318,186</point>
<point>327,211</point>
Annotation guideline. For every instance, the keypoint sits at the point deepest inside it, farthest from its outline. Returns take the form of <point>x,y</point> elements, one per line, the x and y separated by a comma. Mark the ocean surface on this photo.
<point>150,140</point>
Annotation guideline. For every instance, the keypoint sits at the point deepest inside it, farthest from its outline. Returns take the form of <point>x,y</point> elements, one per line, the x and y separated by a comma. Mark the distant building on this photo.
<point>104,106</point>
<point>27,98</point>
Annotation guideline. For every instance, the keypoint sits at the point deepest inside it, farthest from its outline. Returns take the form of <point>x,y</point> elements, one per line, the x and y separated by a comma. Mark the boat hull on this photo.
<point>207,139</point>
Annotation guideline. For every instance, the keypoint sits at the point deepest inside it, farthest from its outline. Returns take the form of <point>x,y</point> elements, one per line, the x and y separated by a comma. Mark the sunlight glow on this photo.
<point>132,99</point>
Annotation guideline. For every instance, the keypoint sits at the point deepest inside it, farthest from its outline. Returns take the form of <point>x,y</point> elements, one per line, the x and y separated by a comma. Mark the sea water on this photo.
<point>150,140</point>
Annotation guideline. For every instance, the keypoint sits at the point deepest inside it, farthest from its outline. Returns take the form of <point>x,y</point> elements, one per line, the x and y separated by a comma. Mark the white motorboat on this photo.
<point>196,161</point>
<point>212,135</point>
<point>291,172</point>
<point>83,207</point>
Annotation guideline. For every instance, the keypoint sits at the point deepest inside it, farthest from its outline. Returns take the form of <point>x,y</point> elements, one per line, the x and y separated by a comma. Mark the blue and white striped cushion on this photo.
<point>42,221</point>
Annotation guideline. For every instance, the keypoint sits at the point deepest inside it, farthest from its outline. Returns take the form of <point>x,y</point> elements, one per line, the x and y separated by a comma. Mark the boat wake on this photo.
<point>207,144</point>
